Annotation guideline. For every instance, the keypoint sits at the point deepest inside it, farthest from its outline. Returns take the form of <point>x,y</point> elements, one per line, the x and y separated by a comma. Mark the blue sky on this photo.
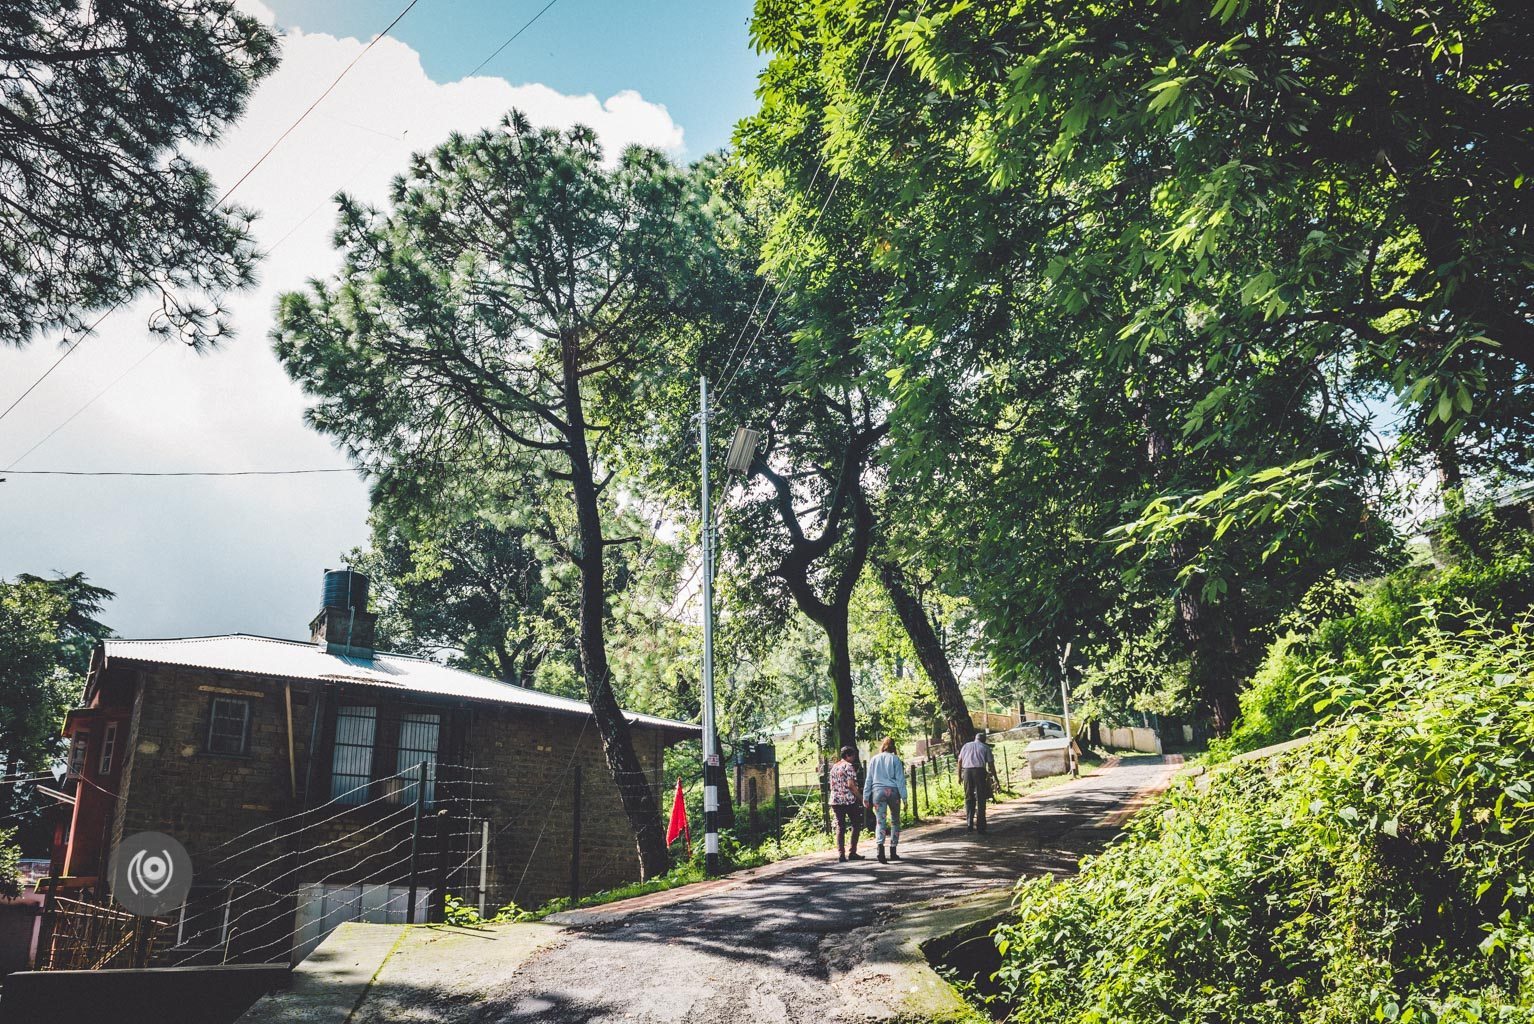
<point>693,56</point>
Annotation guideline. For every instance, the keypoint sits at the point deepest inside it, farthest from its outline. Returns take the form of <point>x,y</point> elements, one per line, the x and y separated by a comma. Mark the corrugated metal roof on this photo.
<point>292,659</point>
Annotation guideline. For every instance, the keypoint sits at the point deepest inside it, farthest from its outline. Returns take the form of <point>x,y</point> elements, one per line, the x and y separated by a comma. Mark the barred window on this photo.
<point>77,750</point>
<point>418,733</point>
<point>229,726</point>
<point>351,767</point>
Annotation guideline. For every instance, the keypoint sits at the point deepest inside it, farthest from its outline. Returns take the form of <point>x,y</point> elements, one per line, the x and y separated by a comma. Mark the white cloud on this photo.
<point>211,555</point>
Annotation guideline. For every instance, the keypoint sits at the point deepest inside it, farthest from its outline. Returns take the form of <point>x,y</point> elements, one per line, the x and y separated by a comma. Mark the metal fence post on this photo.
<point>575,838</point>
<point>484,861</point>
<point>777,807</point>
<point>1006,767</point>
<point>45,928</point>
<point>438,909</point>
<point>415,840</point>
<point>751,823</point>
<point>915,810</point>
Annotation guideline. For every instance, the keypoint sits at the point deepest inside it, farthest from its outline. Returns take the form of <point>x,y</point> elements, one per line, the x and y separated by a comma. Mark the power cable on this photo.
<point>180,473</point>
<point>318,100</point>
<point>88,403</point>
<point>525,26</point>
<point>144,358</point>
<point>819,166</point>
<point>831,194</point>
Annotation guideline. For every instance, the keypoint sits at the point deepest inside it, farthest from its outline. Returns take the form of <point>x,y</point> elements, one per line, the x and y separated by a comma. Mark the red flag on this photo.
<point>678,826</point>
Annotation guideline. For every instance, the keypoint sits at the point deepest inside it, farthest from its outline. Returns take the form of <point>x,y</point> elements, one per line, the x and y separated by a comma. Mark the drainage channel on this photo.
<point>967,959</point>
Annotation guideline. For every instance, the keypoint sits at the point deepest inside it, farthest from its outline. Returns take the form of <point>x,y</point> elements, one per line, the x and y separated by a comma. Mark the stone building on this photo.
<point>306,778</point>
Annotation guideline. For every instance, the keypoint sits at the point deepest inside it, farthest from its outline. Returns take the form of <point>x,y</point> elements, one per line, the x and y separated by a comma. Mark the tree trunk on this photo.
<point>638,799</point>
<point>1212,677</point>
<point>929,649</point>
<point>1212,680</point>
<point>830,613</point>
<point>726,792</point>
<point>843,714</point>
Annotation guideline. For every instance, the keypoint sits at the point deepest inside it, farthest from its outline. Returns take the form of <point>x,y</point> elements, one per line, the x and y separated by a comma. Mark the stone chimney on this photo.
<point>344,625</point>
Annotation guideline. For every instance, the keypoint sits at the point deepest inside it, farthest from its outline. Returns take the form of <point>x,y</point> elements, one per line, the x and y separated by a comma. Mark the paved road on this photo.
<point>780,947</point>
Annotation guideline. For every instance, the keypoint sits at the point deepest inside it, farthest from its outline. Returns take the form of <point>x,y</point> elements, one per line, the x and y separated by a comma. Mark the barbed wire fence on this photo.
<point>390,850</point>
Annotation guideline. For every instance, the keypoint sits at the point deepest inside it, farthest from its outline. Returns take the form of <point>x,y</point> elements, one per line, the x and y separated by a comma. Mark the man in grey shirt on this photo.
<point>977,767</point>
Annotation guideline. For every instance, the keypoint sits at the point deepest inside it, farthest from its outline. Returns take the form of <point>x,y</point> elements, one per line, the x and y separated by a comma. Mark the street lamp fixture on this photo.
<point>742,450</point>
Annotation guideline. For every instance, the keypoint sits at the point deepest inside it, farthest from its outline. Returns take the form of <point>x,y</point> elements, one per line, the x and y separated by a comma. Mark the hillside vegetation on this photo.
<point>1379,872</point>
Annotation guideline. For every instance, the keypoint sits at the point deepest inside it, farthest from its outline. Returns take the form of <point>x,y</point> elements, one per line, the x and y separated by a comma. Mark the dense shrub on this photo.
<point>1342,628</point>
<point>1380,872</point>
<point>10,865</point>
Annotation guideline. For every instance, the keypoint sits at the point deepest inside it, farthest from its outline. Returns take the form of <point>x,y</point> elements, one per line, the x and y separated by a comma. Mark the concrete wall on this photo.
<point>18,932</point>
<point>1130,737</point>
<point>190,995</point>
<point>991,721</point>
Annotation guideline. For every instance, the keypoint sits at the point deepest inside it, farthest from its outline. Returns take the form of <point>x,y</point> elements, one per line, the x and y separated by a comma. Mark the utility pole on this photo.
<point>737,460</point>
<point>1065,705</point>
<point>710,742</point>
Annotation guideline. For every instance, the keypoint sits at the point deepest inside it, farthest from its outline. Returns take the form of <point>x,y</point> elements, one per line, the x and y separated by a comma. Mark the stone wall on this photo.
<point>531,814</point>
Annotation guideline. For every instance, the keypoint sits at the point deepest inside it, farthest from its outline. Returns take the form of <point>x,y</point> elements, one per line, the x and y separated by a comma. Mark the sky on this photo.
<point>198,556</point>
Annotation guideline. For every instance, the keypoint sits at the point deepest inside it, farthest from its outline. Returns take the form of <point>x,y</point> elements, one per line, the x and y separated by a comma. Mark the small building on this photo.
<point>1050,757</point>
<point>320,781</point>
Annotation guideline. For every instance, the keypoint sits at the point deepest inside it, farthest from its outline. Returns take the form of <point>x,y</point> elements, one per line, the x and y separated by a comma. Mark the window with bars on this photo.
<point>229,726</point>
<point>203,921</point>
<point>418,733</point>
<point>351,767</point>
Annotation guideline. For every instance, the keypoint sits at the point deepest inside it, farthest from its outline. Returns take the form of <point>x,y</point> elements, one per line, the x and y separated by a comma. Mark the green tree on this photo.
<point>97,203</point>
<point>507,308</point>
<point>459,572</point>
<point>47,630</point>
<point>80,629</point>
<point>10,865</point>
<point>1063,356</point>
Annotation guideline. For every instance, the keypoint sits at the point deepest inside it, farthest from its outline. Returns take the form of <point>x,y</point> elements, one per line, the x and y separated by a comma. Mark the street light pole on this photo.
<point>711,763</point>
<point>1065,705</point>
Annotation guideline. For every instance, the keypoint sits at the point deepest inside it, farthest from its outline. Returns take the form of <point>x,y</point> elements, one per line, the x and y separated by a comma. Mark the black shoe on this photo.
<point>842,857</point>
<point>856,856</point>
<point>893,854</point>
<point>882,860</point>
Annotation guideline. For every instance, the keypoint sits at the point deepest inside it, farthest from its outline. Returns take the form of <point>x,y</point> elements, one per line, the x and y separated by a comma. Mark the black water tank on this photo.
<point>345,588</point>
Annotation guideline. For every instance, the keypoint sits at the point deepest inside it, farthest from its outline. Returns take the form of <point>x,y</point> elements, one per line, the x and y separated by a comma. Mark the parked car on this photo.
<point>1046,729</point>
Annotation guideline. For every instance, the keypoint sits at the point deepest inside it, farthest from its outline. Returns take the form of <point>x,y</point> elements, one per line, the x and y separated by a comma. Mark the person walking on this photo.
<point>845,804</point>
<point>977,767</point>
<point>883,790</point>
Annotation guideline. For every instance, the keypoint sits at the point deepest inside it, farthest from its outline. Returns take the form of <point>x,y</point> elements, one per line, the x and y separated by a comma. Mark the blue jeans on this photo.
<point>887,814</point>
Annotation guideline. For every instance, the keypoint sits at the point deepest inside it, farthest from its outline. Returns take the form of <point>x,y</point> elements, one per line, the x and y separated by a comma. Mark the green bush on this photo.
<point>458,913</point>
<point>10,865</point>
<point>1349,629</point>
<point>1381,872</point>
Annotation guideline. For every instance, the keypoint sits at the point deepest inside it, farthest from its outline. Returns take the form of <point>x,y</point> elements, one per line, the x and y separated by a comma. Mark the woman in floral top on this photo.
<point>846,803</point>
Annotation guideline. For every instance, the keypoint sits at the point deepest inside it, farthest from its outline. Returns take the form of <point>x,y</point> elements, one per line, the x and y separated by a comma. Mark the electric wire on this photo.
<point>819,166</point>
<point>525,26</point>
<point>862,128</point>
